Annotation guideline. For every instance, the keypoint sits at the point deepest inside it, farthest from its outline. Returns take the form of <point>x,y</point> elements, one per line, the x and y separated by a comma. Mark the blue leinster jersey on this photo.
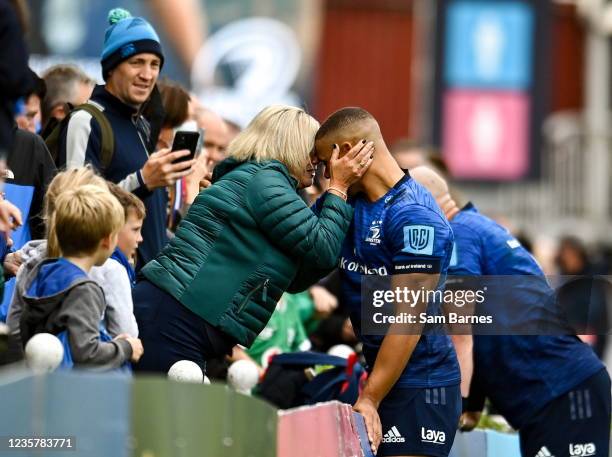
<point>520,374</point>
<point>402,232</point>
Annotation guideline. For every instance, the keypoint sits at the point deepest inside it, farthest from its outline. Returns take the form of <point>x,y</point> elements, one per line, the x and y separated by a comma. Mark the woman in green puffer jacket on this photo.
<point>246,239</point>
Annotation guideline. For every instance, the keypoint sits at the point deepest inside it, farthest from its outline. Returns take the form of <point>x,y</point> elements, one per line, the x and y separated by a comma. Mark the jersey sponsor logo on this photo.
<point>513,243</point>
<point>418,239</point>
<point>432,436</point>
<point>544,452</point>
<point>393,436</point>
<point>357,267</point>
<point>374,233</point>
<point>399,268</point>
<point>582,450</point>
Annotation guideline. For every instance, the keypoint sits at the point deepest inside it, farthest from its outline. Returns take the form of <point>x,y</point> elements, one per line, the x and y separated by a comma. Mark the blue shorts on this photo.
<point>419,421</point>
<point>171,332</point>
<point>576,423</point>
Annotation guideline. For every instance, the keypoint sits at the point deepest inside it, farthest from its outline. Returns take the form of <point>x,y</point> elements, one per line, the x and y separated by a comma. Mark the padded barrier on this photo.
<point>116,415</point>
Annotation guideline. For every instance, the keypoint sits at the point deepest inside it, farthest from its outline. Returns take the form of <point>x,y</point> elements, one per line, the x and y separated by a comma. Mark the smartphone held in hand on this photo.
<point>186,140</point>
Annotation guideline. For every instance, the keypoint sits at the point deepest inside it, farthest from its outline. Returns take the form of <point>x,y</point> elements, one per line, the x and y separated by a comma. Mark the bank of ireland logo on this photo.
<point>418,239</point>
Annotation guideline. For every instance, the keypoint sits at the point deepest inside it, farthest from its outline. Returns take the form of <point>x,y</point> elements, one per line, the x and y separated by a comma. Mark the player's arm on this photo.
<point>461,334</point>
<point>464,345</point>
<point>473,404</point>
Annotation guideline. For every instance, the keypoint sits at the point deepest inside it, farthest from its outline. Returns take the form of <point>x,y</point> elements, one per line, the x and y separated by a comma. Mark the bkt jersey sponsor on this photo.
<point>363,269</point>
<point>582,450</point>
<point>432,436</point>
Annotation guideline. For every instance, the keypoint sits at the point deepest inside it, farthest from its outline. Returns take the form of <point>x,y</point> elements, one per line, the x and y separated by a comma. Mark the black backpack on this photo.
<point>54,129</point>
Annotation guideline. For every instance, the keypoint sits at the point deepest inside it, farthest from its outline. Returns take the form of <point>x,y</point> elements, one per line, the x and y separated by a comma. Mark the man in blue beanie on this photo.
<point>132,58</point>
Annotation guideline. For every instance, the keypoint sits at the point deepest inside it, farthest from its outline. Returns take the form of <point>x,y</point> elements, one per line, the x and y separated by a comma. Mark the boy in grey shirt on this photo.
<point>59,295</point>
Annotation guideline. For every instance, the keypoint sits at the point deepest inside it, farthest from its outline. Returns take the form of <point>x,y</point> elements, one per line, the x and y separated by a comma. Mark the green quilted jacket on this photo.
<point>245,240</point>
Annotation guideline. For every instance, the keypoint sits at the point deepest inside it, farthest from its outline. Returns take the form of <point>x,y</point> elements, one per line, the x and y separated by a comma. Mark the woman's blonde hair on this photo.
<point>65,180</point>
<point>278,132</point>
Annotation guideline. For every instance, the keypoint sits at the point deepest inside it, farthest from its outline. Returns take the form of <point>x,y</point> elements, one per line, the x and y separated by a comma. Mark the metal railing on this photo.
<point>558,202</point>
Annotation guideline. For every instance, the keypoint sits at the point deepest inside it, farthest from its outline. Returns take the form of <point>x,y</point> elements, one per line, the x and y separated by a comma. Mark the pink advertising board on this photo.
<point>486,134</point>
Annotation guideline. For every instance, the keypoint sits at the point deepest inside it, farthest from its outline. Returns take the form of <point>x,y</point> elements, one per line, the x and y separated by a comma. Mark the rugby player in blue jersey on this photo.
<point>412,394</point>
<point>551,387</point>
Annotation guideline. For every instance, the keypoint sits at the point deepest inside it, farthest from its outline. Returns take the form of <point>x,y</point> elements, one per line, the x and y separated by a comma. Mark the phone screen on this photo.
<point>186,140</point>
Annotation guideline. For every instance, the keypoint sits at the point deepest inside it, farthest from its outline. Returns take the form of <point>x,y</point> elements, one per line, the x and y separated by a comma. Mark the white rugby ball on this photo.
<point>44,352</point>
<point>243,375</point>
<point>186,371</point>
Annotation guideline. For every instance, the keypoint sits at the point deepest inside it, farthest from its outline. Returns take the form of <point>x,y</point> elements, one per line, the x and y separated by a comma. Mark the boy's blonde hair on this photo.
<point>278,132</point>
<point>65,180</point>
<point>83,217</point>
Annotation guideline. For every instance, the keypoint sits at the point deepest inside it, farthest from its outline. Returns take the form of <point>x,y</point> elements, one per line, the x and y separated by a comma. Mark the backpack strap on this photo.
<point>108,138</point>
<point>53,130</point>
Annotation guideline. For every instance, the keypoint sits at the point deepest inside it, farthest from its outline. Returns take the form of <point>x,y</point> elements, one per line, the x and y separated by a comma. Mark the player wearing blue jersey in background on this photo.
<point>551,387</point>
<point>412,393</point>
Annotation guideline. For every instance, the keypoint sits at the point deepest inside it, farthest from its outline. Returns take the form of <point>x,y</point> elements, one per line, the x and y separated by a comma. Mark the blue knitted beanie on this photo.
<point>125,37</point>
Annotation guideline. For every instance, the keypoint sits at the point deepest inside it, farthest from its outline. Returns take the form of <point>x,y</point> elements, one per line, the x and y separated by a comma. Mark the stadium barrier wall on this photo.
<point>120,416</point>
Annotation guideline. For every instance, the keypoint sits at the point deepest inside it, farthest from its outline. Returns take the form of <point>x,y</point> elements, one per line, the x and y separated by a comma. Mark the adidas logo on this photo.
<point>544,452</point>
<point>393,436</point>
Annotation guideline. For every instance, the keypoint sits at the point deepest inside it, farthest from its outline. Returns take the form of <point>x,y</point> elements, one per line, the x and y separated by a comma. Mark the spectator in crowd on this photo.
<point>242,243</point>
<point>233,130</point>
<point>28,115</point>
<point>117,275</point>
<point>30,169</point>
<point>131,234</point>
<point>58,293</point>
<point>216,136</point>
<point>16,79</point>
<point>67,85</point>
<point>583,294</point>
<point>131,60</point>
<point>572,257</point>
<point>37,250</point>
<point>176,103</point>
<point>175,100</point>
<point>410,154</point>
